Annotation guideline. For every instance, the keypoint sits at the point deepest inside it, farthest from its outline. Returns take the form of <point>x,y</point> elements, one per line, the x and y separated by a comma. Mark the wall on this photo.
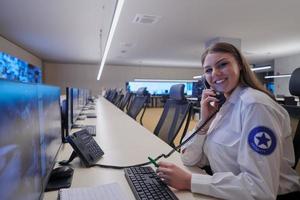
<point>285,65</point>
<point>84,76</point>
<point>14,50</point>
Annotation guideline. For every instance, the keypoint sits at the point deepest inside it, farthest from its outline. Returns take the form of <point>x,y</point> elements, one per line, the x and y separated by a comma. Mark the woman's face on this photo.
<point>222,72</point>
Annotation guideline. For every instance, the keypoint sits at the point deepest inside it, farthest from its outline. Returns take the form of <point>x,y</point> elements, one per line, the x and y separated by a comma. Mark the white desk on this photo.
<point>124,142</point>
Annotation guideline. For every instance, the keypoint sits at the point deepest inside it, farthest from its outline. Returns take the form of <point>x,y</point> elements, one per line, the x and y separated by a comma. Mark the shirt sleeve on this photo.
<point>259,161</point>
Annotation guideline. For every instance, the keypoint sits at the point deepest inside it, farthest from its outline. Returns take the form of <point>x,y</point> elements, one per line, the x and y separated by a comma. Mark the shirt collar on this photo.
<point>235,95</point>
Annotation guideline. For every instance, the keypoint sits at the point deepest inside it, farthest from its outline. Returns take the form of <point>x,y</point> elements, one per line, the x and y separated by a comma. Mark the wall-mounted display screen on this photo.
<point>15,69</point>
<point>157,87</point>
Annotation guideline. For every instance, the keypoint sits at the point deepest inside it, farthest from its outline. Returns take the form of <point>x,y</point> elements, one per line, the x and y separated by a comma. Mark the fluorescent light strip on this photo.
<point>110,35</point>
<point>163,80</point>
<point>197,77</point>
<point>278,76</point>
<point>260,68</point>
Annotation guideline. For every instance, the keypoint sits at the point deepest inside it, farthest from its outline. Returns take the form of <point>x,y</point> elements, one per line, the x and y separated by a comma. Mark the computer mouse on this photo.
<point>61,172</point>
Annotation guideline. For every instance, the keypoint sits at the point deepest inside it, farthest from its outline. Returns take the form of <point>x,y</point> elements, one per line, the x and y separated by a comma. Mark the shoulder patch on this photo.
<point>262,140</point>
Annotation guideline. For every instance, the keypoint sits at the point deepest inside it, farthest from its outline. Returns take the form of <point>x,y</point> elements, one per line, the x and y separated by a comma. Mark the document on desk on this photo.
<point>111,191</point>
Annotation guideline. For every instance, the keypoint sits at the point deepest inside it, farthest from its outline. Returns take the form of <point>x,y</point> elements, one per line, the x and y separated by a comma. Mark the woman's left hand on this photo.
<point>174,176</point>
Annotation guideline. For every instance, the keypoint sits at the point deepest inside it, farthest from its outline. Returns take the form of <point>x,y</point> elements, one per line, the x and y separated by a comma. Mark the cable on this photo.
<point>161,155</point>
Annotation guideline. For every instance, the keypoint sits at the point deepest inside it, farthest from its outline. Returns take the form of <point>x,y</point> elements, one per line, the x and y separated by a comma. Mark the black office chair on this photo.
<point>113,94</point>
<point>138,103</point>
<point>289,101</point>
<point>294,87</point>
<point>125,101</point>
<point>176,110</point>
<point>118,97</point>
<point>107,93</point>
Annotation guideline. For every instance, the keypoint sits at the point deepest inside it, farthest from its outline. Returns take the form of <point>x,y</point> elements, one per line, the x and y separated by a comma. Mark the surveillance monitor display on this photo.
<point>50,127</point>
<point>158,87</point>
<point>20,161</point>
<point>12,68</point>
<point>30,137</point>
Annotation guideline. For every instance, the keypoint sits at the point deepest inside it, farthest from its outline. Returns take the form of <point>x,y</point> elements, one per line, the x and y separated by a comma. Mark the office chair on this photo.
<point>138,103</point>
<point>294,87</point>
<point>107,93</point>
<point>118,97</point>
<point>289,101</point>
<point>113,94</point>
<point>176,109</point>
<point>125,101</point>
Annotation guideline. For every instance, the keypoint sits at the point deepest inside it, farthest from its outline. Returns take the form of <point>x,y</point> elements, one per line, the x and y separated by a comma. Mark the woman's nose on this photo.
<point>216,72</point>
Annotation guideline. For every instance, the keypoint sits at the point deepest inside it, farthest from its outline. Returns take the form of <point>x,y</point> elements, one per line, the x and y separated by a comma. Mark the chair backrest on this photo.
<point>138,103</point>
<point>294,87</point>
<point>176,110</point>
<point>113,94</point>
<point>289,101</point>
<point>125,100</point>
<point>118,99</point>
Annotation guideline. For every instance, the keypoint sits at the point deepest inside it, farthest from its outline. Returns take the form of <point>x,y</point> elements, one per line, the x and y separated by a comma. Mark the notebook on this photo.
<point>111,191</point>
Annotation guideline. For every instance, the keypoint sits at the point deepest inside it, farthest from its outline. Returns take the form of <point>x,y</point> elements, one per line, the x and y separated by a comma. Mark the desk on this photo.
<point>124,142</point>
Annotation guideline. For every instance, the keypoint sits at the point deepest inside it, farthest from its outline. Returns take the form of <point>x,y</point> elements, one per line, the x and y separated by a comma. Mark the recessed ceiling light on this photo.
<point>145,19</point>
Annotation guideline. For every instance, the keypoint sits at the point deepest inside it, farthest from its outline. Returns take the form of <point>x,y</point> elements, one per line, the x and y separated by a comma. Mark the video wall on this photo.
<point>158,87</point>
<point>15,69</point>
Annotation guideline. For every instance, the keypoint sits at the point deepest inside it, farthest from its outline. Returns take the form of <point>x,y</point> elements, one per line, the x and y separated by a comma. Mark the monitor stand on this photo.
<point>60,177</point>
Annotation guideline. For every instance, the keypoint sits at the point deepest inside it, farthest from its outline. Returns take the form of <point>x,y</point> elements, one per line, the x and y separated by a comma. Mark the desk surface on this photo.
<point>124,142</point>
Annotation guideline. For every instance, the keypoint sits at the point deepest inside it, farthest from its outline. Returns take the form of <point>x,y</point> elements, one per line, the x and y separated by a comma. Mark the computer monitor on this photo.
<point>29,138</point>
<point>50,126</point>
<point>75,107</point>
<point>67,114</point>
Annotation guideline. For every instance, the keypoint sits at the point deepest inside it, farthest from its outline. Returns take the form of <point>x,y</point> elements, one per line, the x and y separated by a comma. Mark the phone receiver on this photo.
<point>219,95</point>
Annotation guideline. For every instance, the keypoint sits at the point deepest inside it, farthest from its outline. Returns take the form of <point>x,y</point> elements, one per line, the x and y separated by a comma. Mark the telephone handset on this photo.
<point>85,147</point>
<point>219,95</point>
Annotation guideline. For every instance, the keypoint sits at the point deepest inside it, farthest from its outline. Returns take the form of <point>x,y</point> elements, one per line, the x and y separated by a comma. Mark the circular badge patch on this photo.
<point>262,140</point>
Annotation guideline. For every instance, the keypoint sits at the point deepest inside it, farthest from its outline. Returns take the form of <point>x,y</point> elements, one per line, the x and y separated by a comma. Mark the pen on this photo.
<point>153,162</point>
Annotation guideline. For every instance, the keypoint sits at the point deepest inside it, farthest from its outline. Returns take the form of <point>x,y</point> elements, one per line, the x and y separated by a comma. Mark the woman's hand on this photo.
<point>174,176</point>
<point>209,103</point>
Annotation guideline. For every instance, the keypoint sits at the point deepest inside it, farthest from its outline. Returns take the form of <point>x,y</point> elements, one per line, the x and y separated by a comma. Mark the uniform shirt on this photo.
<point>248,147</point>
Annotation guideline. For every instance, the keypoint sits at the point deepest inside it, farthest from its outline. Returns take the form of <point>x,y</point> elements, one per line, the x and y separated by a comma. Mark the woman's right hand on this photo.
<point>209,103</point>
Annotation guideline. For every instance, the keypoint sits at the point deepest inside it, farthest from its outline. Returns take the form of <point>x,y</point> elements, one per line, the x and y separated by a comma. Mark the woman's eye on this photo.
<point>208,70</point>
<point>223,64</point>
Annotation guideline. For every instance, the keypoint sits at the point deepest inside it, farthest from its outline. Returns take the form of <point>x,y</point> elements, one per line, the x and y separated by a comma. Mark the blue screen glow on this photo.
<point>12,68</point>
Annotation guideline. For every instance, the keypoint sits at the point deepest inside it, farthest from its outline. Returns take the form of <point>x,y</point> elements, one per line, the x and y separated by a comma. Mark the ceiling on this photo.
<point>68,31</point>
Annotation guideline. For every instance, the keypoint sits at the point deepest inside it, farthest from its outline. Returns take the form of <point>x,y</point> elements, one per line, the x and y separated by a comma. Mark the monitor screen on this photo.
<point>12,68</point>
<point>30,137</point>
<point>20,163</point>
<point>50,126</point>
<point>157,87</point>
<point>75,104</point>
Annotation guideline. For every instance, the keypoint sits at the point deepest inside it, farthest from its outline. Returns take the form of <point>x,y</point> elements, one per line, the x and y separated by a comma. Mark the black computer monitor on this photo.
<point>75,106</point>
<point>67,114</point>
<point>50,127</point>
<point>29,138</point>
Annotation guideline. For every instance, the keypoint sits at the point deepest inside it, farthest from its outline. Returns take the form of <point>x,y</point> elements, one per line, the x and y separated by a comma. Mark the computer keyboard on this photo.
<point>91,129</point>
<point>145,184</point>
<point>91,115</point>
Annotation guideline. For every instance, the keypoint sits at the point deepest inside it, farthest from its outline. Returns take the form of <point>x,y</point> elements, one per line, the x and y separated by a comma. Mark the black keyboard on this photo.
<point>91,129</point>
<point>145,184</point>
<point>91,115</point>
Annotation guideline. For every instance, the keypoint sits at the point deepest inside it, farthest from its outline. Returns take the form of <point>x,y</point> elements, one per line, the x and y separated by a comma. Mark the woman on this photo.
<point>248,144</point>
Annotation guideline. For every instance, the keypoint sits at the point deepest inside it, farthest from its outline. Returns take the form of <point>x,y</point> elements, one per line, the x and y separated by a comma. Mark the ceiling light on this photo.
<point>163,80</point>
<point>197,77</point>
<point>110,35</point>
<point>279,76</point>
<point>261,68</point>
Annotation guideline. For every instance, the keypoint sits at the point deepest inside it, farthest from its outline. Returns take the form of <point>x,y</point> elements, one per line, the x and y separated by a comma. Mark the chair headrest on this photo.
<point>294,85</point>
<point>141,91</point>
<point>177,92</point>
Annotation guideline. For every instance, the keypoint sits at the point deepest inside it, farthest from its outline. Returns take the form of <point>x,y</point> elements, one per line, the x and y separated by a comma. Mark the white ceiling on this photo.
<point>68,31</point>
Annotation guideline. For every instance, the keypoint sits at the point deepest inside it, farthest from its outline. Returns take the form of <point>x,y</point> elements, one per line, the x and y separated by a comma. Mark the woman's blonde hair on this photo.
<point>247,76</point>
